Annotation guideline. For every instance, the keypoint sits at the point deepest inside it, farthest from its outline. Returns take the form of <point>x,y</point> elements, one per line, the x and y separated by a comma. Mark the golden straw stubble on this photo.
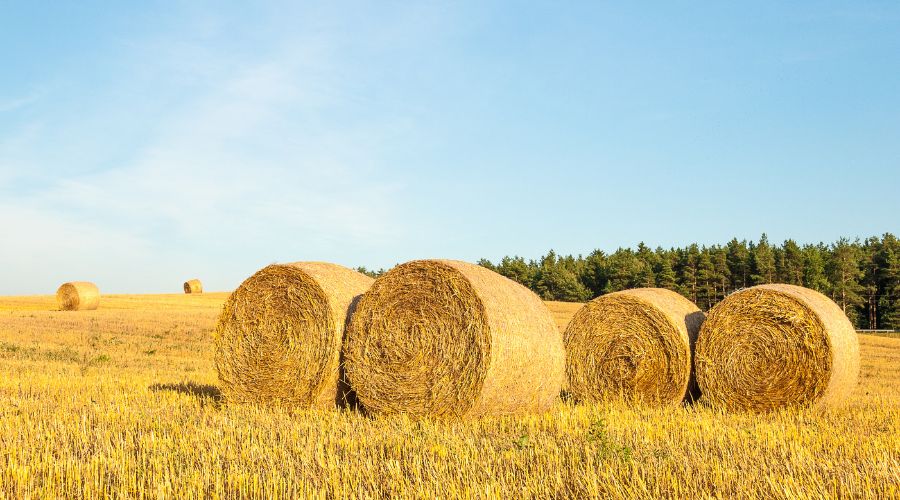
<point>278,339</point>
<point>451,339</point>
<point>634,345</point>
<point>78,296</point>
<point>772,346</point>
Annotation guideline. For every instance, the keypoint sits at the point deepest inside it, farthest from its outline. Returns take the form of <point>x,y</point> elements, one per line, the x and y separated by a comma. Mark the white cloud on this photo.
<point>250,162</point>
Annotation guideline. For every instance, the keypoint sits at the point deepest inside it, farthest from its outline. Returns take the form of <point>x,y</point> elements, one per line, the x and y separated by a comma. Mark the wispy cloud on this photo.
<point>251,161</point>
<point>7,105</point>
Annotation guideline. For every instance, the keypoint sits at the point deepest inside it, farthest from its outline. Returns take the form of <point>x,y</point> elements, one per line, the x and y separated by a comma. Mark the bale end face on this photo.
<point>773,346</point>
<point>279,335</point>
<point>634,345</point>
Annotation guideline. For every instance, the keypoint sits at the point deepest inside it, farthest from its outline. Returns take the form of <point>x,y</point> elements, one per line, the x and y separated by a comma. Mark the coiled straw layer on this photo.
<point>451,339</point>
<point>772,346</point>
<point>78,296</point>
<point>193,286</point>
<point>634,345</point>
<point>279,336</point>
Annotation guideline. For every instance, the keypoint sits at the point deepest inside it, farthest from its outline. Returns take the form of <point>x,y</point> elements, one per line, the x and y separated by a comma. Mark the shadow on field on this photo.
<point>203,392</point>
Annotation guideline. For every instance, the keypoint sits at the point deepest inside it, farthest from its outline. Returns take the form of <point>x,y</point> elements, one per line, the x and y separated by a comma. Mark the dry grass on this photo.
<point>124,400</point>
<point>771,346</point>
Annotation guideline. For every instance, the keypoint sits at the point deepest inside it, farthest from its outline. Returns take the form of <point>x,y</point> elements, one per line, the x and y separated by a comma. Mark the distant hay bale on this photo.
<point>193,286</point>
<point>772,346</point>
<point>633,345</point>
<point>78,296</point>
<point>450,339</point>
<point>278,339</point>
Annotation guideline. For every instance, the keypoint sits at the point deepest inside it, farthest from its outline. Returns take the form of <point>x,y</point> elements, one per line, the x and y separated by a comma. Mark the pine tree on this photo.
<point>549,260</point>
<point>723,273</point>
<point>762,262</point>
<point>516,269</point>
<point>814,268</point>
<point>625,270</point>
<point>706,281</point>
<point>870,280</point>
<point>687,272</point>
<point>844,275</point>
<point>555,282</point>
<point>738,264</point>
<point>486,264</point>
<point>593,273</point>
<point>792,263</point>
<point>645,276</point>
<point>665,275</point>
<point>888,261</point>
<point>778,257</point>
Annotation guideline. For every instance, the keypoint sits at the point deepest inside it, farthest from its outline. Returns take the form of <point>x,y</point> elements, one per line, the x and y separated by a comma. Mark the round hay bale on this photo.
<point>450,339</point>
<point>78,296</point>
<point>772,346</point>
<point>278,339</point>
<point>193,286</point>
<point>634,345</point>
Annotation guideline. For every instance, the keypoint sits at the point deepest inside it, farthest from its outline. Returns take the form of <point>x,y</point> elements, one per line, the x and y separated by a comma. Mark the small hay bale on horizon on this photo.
<point>773,346</point>
<point>634,345</point>
<point>450,339</point>
<point>78,296</point>
<point>278,339</point>
<point>193,286</point>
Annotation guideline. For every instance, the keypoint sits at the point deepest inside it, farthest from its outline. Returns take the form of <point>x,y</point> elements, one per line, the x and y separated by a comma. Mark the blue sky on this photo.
<point>141,145</point>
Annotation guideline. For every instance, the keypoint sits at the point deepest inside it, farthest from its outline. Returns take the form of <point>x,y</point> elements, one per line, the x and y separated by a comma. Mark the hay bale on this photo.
<point>450,339</point>
<point>772,346</point>
<point>78,296</point>
<point>278,339</point>
<point>193,286</point>
<point>634,345</point>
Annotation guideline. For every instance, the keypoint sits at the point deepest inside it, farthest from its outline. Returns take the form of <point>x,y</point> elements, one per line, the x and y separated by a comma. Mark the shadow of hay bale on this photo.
<point>346,396</point>
<point>693,322</point>
<point>203,392</point>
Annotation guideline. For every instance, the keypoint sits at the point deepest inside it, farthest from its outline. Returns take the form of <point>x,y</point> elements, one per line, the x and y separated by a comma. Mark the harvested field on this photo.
<point>126,398</point>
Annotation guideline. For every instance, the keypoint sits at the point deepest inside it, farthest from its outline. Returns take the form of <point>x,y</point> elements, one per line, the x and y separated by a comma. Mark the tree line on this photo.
<point>862,277</point>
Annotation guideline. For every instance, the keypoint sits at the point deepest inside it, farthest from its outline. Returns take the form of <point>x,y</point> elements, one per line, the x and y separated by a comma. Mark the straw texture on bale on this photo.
<point>278,339</point>
<point>634,345</point>
<point>450,339</point>
<point>193,286</point>
<point>78,296</point>
<point>772,346</point>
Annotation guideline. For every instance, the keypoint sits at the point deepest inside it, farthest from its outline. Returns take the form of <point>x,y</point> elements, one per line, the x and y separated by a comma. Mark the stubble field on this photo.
<point>124,401</point>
